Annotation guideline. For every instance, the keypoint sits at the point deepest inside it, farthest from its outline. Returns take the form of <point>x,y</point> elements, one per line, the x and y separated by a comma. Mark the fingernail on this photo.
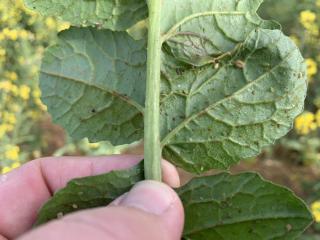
<point>149,196</point>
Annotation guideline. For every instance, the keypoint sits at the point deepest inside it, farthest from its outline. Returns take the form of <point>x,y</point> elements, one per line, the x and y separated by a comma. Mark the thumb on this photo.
<point>151,210</point>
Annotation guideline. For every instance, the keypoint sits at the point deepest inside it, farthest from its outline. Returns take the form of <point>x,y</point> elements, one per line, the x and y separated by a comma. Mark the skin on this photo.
<point>151,210</point>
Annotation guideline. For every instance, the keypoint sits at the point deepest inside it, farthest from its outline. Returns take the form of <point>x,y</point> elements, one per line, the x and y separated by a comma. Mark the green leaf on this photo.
<point>90,192</point>
<point>216,115</point>
<point>199,31</point>
<point>243,206</point>
<point>110,14</point>
<point>93,82</point>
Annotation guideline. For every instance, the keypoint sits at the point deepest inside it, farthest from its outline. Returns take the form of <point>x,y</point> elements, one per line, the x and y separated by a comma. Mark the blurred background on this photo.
<point>26,131</point>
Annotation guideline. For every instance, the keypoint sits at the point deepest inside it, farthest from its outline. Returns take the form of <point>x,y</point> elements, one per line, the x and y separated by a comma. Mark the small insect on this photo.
<point>240,64</point>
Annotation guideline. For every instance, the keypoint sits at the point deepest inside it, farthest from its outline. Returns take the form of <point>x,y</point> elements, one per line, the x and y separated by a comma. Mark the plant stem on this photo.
<point>152,149</point>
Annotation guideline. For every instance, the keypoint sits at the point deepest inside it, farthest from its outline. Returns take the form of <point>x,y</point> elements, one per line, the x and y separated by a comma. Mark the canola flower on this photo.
<point>24,92</point>
<point>7,169</point>
<point>312,67</point>
<point>315,209</point>
<point>305,123</point>
<point>12,152</point>
<point>11,75</point>
<point>308,21</point>
<point>23,36</point>
<point>317,118</point>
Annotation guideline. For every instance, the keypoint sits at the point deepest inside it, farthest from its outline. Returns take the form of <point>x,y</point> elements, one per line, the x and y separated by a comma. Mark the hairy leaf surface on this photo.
<point>110,14</point>
<point>244,206</point>
<point>90,192</point>
<point>93,82</point>
<point>197,32</point>
<point>212,117</point>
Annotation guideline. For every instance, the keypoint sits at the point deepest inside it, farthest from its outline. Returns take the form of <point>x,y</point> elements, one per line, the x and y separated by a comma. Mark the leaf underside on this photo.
<point>231,83</point>
<point>110,14</point>
<point>93,83</point>
<point>90,192</point>
<point>214,117</point>
<point>217,207</point>
<point>243,206</point>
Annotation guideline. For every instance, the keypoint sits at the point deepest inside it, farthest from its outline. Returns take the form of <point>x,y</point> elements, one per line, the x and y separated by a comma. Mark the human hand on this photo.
<point>151,210</point>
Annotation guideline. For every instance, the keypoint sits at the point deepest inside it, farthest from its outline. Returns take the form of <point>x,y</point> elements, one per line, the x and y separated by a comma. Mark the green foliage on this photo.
<point>23,37</point>
<point>233,206</point>
<point>198,32</point>
<point>241,206</point>
<point>94,89</point>
<point>114,15</point>
<point>231,83</point>
<point>90,192</point>
<point>229,113</point>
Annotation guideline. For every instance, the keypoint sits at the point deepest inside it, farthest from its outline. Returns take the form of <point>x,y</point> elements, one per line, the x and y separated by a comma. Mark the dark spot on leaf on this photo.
<point>93,110</point>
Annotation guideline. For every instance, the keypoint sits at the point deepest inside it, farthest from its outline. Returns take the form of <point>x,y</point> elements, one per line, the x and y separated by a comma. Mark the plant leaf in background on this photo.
<point>244,206</point>
<point>93,82</point>
<point>199,31</point>
<point>212,117</point>
<point>90,192</point>
<point>223,206</point>
<point>114,15</point>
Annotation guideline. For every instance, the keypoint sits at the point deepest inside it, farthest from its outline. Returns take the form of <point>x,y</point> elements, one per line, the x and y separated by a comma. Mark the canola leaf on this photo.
<point>244,206</point>
<point>90,192</point>
<point>198,32</point>
<point>214,116</point>
<point>109,14</point>
<point>93,82</point>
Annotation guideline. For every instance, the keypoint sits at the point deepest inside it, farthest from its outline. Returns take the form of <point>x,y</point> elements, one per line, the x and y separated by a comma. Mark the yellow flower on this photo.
<point>94,145</point>
<point>63,26</point>
<point>50,23</point>
<point>307,17</point>
<point>317,117</point>
<point>11,34</point>
<point>2,52</point>
<point>23,34</point>
<point>6,170</point>
<point>8,87</point>
<point>3,130</point>
<point>312,67</point>
<point>295,39</point>
<point>315,209</point>
<point>12,152</point>
<point>24,92</point>
<point>9,169</point>
<point>14,107</point>
<point>39,103</point>
<point>36,93</point>
<point>9,118</point>
<point>305,123</point>
<point>15,165</point>
<point>11,76</point>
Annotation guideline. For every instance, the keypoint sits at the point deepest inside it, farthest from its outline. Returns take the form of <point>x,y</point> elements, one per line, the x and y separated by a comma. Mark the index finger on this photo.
<point>23,191</point>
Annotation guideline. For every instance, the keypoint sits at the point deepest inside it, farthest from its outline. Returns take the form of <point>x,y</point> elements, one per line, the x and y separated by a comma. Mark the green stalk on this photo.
<point>152,149</point>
